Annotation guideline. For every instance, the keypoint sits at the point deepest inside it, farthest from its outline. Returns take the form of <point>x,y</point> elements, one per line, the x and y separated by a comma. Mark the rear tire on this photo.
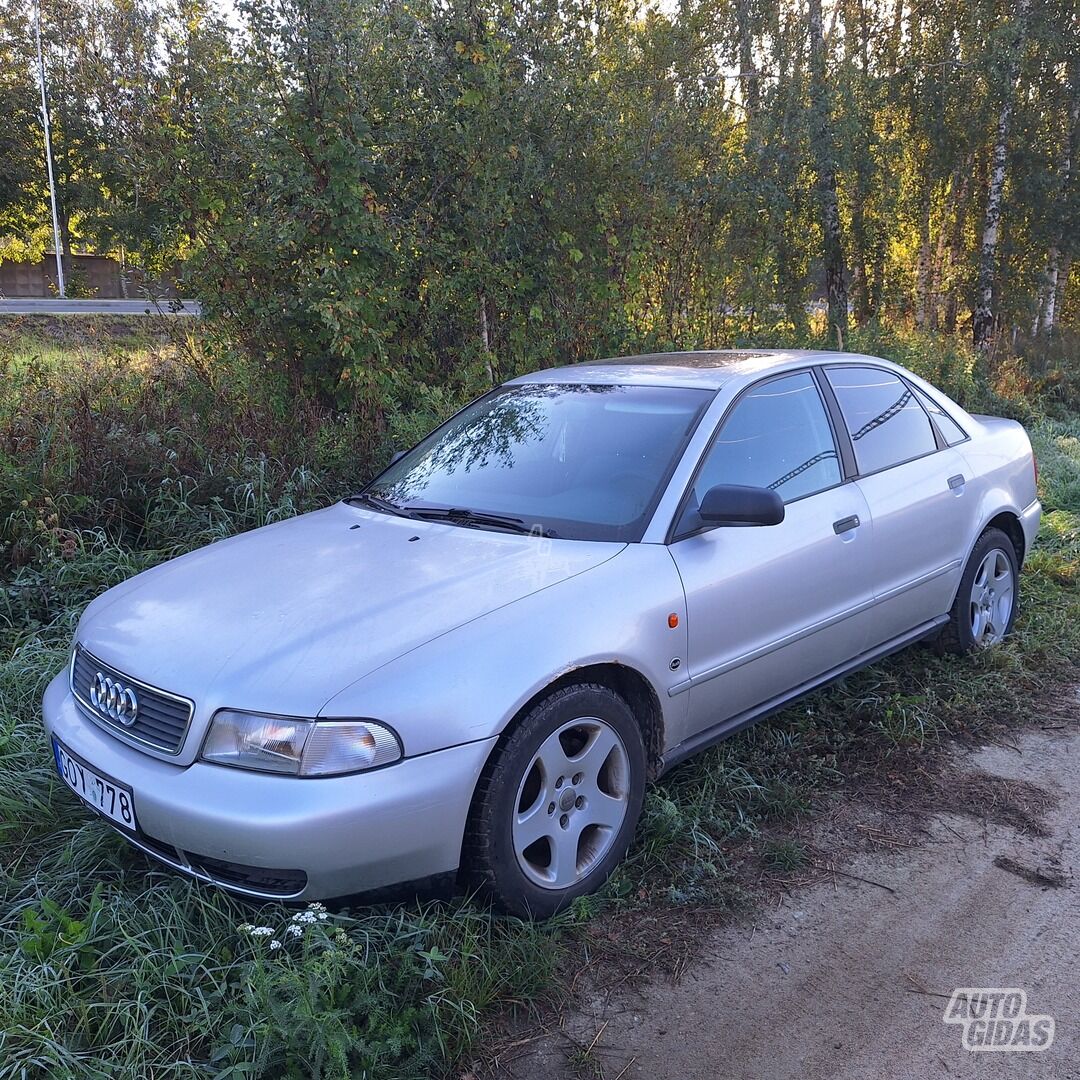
<point>557,804</point>
<point>986,601</point>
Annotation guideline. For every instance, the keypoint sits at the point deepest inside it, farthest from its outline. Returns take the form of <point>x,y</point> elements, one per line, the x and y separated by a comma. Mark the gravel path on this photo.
<point>849,979</point>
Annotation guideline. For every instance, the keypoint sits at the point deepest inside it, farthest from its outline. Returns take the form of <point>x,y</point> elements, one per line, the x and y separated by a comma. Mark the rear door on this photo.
<point>915,485</point>
<point>769,608</point>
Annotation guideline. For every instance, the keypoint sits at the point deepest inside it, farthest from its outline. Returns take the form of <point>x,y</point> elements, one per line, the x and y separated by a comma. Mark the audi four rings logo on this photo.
<point>114,700</point>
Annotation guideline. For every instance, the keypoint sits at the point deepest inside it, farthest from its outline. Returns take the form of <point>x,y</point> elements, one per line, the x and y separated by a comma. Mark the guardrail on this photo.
<point>34,306</point>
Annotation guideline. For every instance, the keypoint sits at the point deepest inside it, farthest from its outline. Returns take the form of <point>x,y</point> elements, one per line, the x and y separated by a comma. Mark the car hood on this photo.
<point>282,618</point>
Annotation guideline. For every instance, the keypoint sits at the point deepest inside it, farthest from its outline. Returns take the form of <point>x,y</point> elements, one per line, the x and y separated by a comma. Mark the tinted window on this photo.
<point>886,422</point>
<point>777,437</point>
<point>950,430</point>
<point>580,461</point>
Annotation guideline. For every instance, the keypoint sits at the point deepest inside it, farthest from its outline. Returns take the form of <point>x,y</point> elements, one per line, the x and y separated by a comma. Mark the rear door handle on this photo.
<point>956,482</point>
<point>846,524</point>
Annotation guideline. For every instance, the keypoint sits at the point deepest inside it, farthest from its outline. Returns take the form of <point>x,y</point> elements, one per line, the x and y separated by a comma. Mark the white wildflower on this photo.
<point>262,931</point>
<point>275,944</point>
<point>296,931</point>
<point>322,915</point>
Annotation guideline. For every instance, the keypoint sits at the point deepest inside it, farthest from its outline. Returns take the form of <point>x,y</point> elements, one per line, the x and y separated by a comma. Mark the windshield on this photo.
<point>575,461</point>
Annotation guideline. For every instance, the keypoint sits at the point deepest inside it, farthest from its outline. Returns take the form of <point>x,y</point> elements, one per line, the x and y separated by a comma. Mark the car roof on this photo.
<point>709,369</point>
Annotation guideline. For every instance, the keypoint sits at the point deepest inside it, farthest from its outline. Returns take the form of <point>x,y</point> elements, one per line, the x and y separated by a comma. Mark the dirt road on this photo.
<point>850,978</point>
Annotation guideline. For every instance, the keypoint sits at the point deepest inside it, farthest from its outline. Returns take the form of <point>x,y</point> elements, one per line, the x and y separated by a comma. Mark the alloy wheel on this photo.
<point>992,594</point>
<point>571,803</point>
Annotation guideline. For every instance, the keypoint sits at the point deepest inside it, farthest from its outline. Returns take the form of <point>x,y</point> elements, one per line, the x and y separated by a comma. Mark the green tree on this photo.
<point>23,217</point>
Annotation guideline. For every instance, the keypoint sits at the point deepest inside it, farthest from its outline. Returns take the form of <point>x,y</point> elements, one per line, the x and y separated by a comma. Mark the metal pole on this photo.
<point>48,153</point>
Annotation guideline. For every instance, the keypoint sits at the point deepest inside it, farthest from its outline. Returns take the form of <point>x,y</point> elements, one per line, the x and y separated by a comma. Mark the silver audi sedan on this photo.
<point>473,666</point>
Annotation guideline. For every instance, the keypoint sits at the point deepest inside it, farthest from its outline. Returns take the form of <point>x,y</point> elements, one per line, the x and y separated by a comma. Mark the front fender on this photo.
<point>468,684</point>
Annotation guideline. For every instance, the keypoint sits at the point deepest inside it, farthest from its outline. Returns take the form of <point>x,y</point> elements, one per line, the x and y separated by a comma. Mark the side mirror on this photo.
<point>398,455</point>
<point>733,504</point>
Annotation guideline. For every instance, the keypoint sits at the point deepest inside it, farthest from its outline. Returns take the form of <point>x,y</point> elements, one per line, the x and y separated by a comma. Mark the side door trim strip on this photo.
<point>806,631</point>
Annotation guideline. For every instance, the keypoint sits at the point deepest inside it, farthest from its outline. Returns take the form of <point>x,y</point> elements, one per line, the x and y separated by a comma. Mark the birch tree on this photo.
<point>983,316</point>
<point>1059,255</point>
<point>823,150</point>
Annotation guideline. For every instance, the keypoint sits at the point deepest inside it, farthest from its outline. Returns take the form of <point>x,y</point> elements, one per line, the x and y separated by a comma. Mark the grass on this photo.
<point>784,855</point>
<point>113,457</point>
<point>53,341</point>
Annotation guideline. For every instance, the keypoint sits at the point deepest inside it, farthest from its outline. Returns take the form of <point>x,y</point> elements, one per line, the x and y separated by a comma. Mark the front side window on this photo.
<point>777,436</point>
<point>887,424</point>
<point>584,462</point>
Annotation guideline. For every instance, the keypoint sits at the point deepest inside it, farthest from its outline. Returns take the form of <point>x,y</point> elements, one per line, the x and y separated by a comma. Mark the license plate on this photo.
<point>115,801</point>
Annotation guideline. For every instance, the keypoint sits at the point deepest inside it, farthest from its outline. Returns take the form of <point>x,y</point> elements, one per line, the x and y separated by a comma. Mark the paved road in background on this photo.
<point>25,306</point>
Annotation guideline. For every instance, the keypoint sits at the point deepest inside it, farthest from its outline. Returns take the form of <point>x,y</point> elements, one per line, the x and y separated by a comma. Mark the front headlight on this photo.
<point>298,747</point>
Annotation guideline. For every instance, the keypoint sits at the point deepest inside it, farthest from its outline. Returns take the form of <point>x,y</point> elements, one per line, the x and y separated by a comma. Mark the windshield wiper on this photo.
<point>459,515</point>
<point>385,505</point>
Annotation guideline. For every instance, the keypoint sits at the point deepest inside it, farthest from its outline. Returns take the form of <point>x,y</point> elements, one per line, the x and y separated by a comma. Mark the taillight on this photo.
<point>1035,466</point>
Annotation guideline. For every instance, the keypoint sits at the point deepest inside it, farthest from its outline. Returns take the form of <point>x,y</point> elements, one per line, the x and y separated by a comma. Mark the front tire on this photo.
<point>985,607</point>
<point>557,804</point>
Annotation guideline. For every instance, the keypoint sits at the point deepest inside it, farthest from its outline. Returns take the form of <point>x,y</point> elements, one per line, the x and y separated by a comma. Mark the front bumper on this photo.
<point>347,834</point>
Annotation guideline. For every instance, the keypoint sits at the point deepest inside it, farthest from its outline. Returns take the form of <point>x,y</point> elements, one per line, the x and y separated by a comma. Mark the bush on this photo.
<point>163,447</point>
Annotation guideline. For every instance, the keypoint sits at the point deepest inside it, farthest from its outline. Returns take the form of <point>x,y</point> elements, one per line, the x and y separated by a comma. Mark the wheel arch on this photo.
<point>626,681</point>
<point>1009,523</point>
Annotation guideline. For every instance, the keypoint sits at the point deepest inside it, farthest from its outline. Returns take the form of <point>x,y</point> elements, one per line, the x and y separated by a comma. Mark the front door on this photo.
<point>770,608</point>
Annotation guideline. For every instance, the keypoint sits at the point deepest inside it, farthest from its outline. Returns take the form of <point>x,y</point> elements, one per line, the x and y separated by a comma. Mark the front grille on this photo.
<point>161,719</point>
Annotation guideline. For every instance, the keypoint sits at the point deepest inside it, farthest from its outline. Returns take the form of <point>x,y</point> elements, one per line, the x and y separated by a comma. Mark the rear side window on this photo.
<point>886,422</point>
<point>777,436</point>
<point>950,430</point>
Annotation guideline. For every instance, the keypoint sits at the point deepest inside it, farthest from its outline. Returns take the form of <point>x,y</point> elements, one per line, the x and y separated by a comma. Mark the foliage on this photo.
<point>373,199</point>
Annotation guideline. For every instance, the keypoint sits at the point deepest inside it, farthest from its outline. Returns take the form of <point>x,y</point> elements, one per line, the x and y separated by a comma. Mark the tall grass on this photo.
<point>110,967</point>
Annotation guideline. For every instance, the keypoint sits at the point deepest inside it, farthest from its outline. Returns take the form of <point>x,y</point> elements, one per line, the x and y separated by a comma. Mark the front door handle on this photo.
<point>846,524</point>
